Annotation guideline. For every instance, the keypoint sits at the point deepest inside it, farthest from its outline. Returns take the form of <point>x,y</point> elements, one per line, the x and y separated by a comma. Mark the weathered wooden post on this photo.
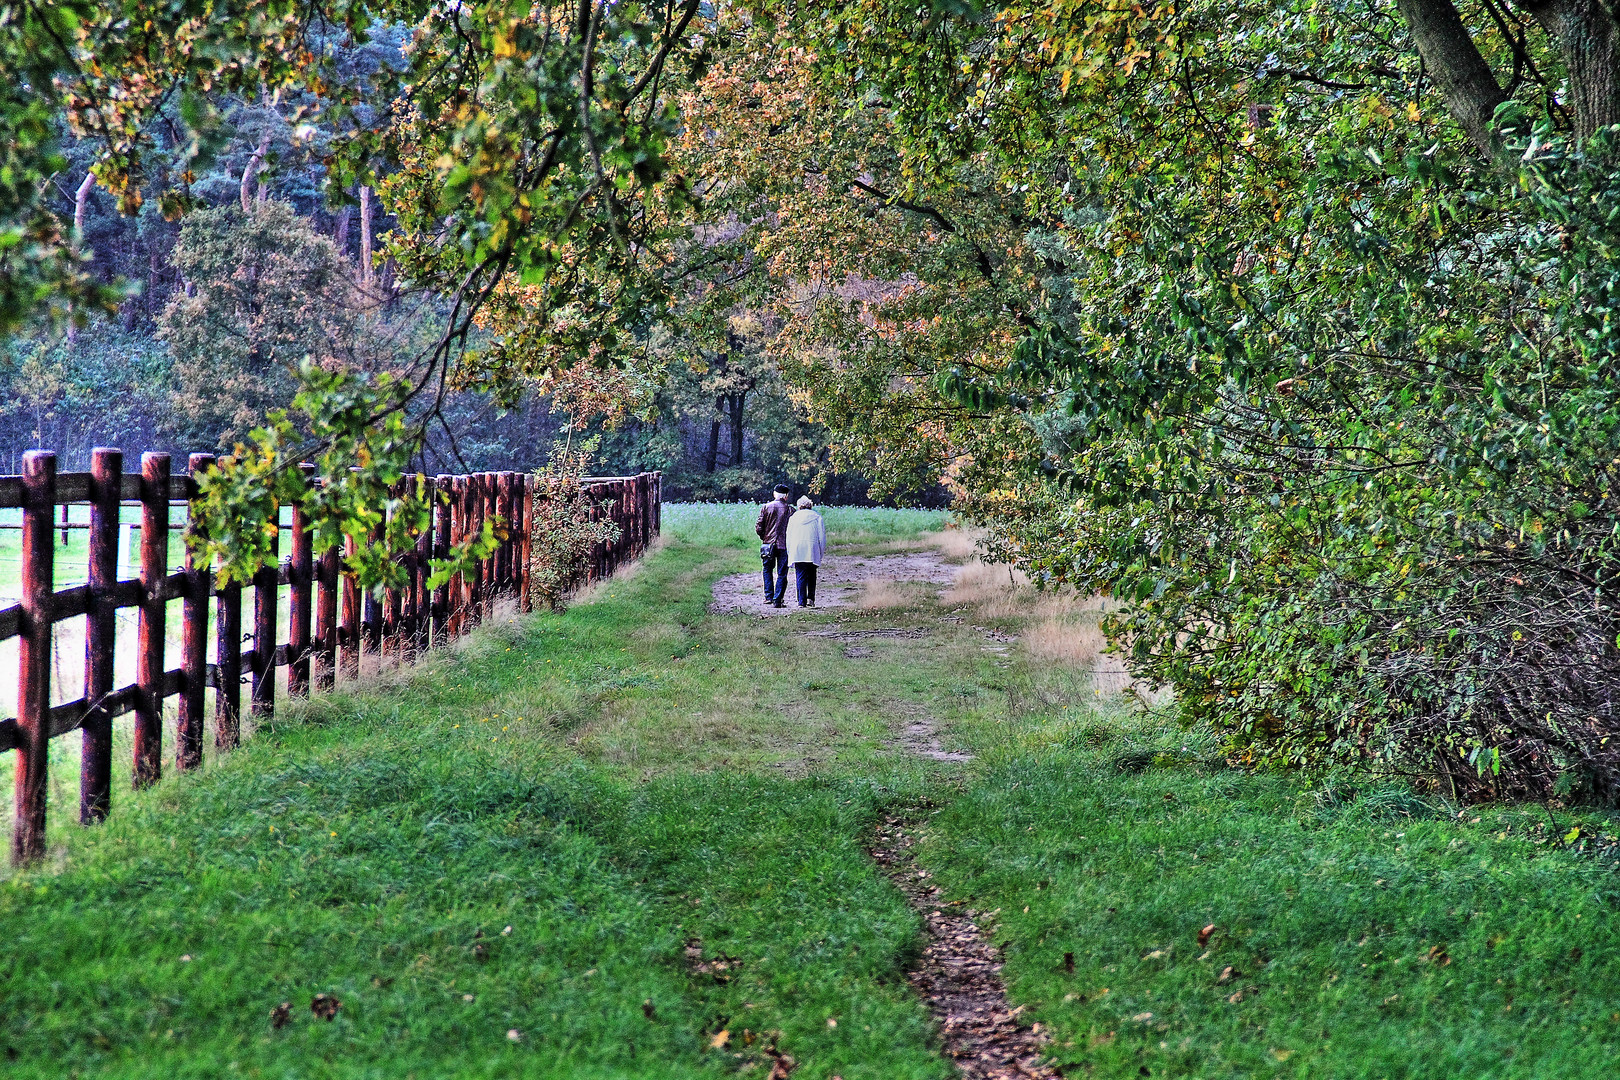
<point>503,508</point>
<point>100,630</point>
<point>152,625</point>
<point>34,656</point>
<point>300,604</point>
<point>353,628</point>
<point>486,566</point>
<point>526,546</point>
<point>443,521</point>
<point>468,581</point>
<point>472,525</point>
<point>266,584</point>
<point>228,667</point>
<point>189,724</point>
<point>422,603</point>
<point>326,607</point>
<point>371,615</point>
<point>392,611</point>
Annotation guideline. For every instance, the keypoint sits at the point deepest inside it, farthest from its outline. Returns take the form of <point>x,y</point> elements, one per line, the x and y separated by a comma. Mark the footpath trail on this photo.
<point>645,838</point>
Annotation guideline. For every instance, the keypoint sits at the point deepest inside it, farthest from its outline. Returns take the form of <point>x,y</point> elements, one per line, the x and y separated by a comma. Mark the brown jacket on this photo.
<point>772,523</point>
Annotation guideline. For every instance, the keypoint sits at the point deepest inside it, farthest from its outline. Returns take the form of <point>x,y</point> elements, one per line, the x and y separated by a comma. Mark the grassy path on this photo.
<point>630,841</point>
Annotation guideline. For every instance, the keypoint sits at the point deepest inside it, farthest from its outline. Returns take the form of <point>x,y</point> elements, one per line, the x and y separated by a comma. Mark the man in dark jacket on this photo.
<point>771,526</point>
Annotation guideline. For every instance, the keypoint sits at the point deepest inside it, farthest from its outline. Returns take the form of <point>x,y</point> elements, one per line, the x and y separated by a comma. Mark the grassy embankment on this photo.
<point>634,776</point>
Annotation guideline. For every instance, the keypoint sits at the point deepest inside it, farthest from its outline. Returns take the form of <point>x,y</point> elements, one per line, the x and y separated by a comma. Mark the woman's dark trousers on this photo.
<point>805,574</point>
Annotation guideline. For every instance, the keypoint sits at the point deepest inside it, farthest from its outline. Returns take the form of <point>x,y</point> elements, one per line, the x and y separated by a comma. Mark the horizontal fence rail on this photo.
<point>332,623</point>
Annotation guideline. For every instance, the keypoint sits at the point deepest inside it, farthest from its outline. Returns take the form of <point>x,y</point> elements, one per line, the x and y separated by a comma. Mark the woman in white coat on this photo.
<point>806,541</point>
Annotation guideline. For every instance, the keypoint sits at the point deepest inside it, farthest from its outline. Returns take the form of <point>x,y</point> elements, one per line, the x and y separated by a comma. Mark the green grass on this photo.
<point>724,524</point>
<point>368,846</point>
<point>1378,935</point>
<point>635,779</point>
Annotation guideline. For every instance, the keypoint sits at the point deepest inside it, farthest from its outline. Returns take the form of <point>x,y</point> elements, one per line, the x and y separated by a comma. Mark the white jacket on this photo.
<point>806,537</point>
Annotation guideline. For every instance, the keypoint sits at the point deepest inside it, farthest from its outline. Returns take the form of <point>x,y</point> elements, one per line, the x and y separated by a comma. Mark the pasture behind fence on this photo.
<point>331,625</point>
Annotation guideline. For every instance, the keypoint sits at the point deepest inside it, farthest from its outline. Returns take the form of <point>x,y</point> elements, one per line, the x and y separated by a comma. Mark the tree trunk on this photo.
<point>736,414</point>
<point>714,442</point>
<point>81,201</point>
<point>251,169</point>
<point>1586,36</point>
<point>365,236</point>
<point>1470,89</point>
<point>340,235</point>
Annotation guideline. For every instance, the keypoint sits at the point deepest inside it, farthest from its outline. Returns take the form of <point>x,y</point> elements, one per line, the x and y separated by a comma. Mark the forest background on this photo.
<point>1288,324</point>
<point>270,263</point>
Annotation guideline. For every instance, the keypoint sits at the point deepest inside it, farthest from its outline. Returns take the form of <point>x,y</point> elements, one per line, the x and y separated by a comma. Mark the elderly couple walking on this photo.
<point>790,536</point>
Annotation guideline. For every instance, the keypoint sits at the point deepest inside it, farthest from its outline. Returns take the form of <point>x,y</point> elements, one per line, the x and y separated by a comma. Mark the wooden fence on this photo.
<point>331,622</point>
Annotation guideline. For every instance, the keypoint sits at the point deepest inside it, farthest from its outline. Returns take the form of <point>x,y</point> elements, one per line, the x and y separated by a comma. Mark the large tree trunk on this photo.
<point>1588,41</point>
<point>1470,89</point>
<point>1585,33</point>
<point>714,443</point>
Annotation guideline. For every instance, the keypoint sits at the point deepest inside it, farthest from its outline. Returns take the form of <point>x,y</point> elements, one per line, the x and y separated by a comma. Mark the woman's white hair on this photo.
<point>805,503</point>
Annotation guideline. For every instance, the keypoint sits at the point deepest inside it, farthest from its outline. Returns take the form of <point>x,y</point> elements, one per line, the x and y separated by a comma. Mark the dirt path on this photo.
<point>838,583</point>
<point>960,975</point>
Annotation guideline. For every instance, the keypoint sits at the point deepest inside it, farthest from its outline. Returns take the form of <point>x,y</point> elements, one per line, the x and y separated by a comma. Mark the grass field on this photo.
<point>629,841</point>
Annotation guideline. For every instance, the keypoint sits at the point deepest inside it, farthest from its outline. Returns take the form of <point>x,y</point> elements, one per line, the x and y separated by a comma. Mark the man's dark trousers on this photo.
<point>776,560</point>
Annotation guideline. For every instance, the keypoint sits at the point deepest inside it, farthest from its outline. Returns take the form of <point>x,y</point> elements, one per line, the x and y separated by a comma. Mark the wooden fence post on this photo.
<point>454,588</point>
<point>391,609</point>
<point>266,586</point>
<point>349,636</point>
<point>422,603</point>
<point>443,510</point>
<point>228,667</point>
<point>100,630</point>
<point>467,508</point>
<point>300,607</point>
<point>526,546</point>
<point>469,529</point>
<point>371,615</point>
<point>152,626</point>
<point>503,508</point>
<point>34,656</point>
<point>326,607</point>
<point>188,729</point>
<point>485,488</point>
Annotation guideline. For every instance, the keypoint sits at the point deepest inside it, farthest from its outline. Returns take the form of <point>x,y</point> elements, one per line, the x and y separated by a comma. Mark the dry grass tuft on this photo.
<point>881,593</point>
<point>1071,642</point>
<point>956,545</point>
<point>992,587</point>
<point>1062,627</point>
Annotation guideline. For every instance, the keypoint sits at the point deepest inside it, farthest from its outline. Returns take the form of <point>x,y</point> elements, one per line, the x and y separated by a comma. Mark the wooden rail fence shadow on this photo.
<point>331,622</point>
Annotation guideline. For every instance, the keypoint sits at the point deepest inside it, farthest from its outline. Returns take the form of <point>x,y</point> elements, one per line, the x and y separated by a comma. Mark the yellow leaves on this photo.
<point>1136,53</point>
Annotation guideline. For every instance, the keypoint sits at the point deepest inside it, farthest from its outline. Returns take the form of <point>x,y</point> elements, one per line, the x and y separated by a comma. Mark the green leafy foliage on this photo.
<point>358,441</point>
<point>1316,390</point>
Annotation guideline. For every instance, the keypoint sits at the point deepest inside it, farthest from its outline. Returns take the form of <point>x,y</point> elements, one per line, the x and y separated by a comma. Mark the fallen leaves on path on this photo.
<point>960,977</point>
